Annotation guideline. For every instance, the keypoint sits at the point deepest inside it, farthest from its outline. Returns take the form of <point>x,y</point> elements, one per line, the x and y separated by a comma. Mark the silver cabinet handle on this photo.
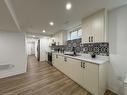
<point>65,59</point>
<point>81,64</point>
<point>89,38</point>
<point>84,64</point>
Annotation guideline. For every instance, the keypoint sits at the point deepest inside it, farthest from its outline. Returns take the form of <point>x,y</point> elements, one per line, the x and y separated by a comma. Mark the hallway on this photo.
<point>41,79</point>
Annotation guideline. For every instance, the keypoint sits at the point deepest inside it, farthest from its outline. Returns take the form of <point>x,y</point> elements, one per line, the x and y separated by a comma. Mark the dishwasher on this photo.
<point>50,58</point>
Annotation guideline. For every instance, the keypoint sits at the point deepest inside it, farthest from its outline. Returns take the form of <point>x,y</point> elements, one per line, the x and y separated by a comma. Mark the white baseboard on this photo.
<point>114,91</point>
<point>8,75</point>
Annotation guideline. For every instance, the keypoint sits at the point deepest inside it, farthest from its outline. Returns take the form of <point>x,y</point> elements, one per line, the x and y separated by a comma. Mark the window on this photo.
<point>75,34</point>
<point>80,33</point>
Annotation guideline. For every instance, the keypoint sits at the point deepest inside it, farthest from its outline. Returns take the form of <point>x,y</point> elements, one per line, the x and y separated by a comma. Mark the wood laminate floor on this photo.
<point>41,79</point>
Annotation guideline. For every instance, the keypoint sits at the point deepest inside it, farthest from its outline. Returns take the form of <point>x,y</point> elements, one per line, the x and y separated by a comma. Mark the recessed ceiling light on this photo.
<point>43,31</point>
<point>33,35</point>
<point>51,23</point>
<point>68,6</point>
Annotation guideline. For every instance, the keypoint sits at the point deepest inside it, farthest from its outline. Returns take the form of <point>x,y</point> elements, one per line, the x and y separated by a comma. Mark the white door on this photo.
<point>33,48</point>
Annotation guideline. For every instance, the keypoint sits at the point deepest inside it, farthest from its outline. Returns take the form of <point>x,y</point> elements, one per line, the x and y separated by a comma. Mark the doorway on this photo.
<point>30,48</point>
<point>33,48</point>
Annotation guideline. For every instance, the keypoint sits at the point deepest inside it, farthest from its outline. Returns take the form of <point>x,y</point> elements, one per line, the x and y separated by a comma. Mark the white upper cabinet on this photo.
<point>60,37</point>
<point>94,27</point>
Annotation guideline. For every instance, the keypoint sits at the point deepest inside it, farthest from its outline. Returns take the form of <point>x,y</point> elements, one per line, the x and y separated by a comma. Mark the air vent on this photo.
<point>6,66</point>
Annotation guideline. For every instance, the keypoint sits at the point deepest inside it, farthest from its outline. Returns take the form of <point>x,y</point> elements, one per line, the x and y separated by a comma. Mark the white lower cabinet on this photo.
<point>56,62</point>
<point>89,75</point>
<point>60,62</point>
<point>76,71</point>
<point>91,78</point>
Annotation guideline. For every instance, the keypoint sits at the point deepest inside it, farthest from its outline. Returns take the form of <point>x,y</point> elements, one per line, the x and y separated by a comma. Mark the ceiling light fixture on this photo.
<point>43,31</point>
<point>51,23</point>
<point>68,6</point>
<point>33,36</point>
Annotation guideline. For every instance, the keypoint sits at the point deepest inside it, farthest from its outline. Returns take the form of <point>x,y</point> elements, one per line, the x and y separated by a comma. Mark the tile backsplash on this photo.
<point>101,48</point>
<point>98,48</point>
<point>74,43</point>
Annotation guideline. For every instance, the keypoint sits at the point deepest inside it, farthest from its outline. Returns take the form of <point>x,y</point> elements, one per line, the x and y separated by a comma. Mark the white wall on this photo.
<point>12,51</point>
<point>118,48</point>
<point>44,48</point>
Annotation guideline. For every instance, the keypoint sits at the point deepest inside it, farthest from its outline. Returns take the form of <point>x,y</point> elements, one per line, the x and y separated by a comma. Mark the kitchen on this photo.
<point>74,45</point>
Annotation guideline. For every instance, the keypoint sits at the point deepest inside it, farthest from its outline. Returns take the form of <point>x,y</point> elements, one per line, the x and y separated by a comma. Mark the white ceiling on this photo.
<point>34,15</point>
<point>6,21</point>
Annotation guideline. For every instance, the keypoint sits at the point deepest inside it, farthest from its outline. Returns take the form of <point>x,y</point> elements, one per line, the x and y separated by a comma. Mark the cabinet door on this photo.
<point>56,61</point>
<point>91,77</point>
<point>94,27</point>
<point>65,63</point>
<point>60,37</point>
<point>61,64</point>
<point>86,28</point>
<point>76,71</point>
<point>98,26</point>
